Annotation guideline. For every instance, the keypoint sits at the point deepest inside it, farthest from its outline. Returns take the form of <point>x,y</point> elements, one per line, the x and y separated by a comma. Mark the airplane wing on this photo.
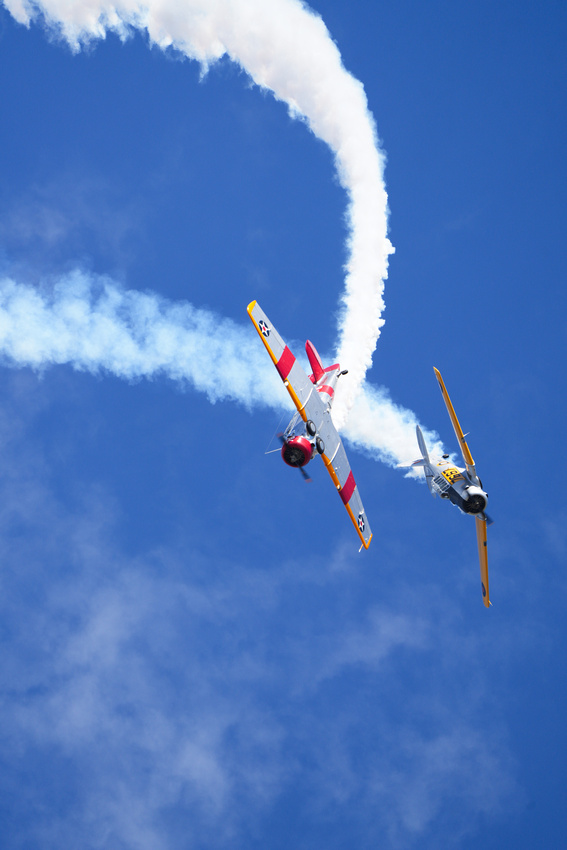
<point>467,457</point>
<point>309,404</point>
<point>338,467</point>
<point>291,372</point>
<point>483,557</point>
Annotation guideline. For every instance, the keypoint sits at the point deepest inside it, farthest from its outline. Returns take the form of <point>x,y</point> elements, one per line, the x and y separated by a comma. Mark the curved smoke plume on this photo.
<point>286,49</point>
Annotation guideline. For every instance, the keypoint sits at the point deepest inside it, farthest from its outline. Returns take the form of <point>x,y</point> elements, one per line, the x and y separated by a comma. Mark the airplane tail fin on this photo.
<point>314,361</point>
<point>421,444</point>
<point>424,460</point>
<point>324,377</point>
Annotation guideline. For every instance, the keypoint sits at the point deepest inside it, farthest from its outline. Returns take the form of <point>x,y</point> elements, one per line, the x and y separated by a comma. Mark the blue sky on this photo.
<point>194,653</point>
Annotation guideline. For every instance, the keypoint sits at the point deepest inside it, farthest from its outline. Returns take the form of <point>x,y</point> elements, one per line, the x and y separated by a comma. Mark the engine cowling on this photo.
<point>297,451</point>
<point>476,501</point>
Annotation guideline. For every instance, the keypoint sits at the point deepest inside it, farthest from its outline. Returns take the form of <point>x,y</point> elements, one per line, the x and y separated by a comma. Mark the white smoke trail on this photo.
<point>387,430</point>
<point>285,48</point>
<point>95,326</point>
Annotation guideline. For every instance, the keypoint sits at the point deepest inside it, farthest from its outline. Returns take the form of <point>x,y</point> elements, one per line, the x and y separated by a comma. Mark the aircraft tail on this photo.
<point>319,371</point>
<point>421,444</point>
<point>314,361</point>
<point>324,378</point>
<point>424,460</point>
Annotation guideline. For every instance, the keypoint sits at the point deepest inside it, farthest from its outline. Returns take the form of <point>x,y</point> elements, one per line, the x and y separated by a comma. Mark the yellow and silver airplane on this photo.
<point>462,487</point>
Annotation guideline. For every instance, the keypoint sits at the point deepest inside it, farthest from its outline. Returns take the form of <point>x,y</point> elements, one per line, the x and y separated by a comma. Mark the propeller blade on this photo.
<point>300,468</point>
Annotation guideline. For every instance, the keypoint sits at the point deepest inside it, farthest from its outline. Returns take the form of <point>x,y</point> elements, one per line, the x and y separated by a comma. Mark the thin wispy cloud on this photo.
<point>54,220</point>
<point>182,696</point>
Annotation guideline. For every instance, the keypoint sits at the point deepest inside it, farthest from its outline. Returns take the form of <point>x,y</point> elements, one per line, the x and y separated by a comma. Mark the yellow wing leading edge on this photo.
<point>483,558</point>
<point>467,457</point>
<point>295,380</point>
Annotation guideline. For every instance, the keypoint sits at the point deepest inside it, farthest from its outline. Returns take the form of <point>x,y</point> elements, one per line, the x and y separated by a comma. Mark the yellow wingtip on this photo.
<point>250,307</point>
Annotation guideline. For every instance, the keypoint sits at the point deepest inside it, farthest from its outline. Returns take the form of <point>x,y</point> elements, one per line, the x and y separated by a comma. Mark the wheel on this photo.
<point>320,445</point>
<point>311,429</point>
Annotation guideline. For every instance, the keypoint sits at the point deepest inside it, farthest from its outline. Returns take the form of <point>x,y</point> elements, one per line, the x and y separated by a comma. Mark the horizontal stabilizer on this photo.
<point>421,461</point>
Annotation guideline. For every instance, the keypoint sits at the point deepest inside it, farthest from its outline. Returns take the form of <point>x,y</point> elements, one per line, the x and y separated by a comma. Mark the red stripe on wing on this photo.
<point>346,492</point>
<point>285,363</point>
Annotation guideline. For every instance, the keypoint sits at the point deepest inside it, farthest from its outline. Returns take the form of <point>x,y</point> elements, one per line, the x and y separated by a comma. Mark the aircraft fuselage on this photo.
<point>454,483</point>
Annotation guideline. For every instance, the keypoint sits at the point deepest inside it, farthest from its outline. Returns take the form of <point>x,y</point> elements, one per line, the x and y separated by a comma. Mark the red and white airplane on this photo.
<point>311,431</point>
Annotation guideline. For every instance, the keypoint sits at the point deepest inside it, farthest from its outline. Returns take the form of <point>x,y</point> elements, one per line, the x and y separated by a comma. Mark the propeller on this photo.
<point>300,468</point>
